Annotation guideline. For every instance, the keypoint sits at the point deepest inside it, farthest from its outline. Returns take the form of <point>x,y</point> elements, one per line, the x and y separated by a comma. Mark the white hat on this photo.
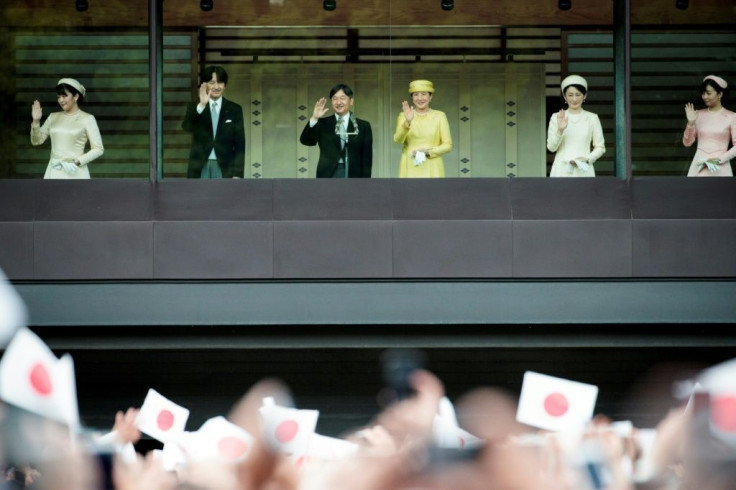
<point>720,81</point>
<point>72,83</point>
<point>573,80</point>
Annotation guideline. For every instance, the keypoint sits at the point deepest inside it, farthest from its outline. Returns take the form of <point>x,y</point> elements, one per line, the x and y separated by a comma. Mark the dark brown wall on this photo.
<point>60,13</point>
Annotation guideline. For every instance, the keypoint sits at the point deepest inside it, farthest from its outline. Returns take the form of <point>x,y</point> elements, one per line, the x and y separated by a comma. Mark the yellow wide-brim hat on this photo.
<point>421,86</point>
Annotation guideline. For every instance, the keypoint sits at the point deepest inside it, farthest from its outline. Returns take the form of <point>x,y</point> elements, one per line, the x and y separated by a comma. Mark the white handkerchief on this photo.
<point>582,165</point>
<point>419,158</point>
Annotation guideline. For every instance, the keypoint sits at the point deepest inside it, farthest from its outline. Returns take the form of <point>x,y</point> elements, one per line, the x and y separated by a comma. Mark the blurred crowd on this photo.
<point>691,448</point>
<point>549,437</point>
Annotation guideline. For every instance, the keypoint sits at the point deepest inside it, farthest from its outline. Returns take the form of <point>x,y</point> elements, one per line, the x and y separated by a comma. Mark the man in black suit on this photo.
<point>224,154</point>
<point>345,143</point>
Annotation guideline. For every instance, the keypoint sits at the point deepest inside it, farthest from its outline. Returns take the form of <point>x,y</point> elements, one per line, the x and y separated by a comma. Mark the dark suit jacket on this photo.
<point>229,143</point>
<point>360,147</point>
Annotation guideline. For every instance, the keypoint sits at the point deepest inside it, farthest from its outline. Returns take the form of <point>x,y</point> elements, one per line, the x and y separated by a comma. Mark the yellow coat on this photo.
<point>430,130</point>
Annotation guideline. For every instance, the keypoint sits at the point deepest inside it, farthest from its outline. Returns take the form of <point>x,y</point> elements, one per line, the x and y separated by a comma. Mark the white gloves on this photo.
<point>711,164</point>
<point>582,165</point>
<point>69,167</point>
<point>419,158</point>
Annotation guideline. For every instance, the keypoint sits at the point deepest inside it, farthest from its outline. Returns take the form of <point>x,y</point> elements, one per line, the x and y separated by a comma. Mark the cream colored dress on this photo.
<point>69,135</point>
<point>583,130</point>
<point>429,130</point>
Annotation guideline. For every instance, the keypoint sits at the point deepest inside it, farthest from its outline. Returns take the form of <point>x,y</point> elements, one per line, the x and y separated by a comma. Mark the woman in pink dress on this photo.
<point>714,127</point>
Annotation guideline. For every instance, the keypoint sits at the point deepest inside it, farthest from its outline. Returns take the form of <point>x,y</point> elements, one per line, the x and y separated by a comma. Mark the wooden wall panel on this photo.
<point>128,13</point>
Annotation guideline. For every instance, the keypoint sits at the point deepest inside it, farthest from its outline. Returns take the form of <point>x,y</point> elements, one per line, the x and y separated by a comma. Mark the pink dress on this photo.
<point>714,131</point>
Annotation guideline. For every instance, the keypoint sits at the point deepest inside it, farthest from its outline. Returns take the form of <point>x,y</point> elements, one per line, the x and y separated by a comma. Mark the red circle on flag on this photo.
<point>286,431</point>
<point>556,404</point>
<point>165,420</point>
<point>723,412</point>
<point>461,440</point>
<point>41,380</point>
<point>231,447</point>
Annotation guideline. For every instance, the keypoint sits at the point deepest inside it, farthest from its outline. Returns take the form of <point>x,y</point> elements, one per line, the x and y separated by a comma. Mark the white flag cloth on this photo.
<point>13,314</point>
<point>555,404</point>
<point>161,418</point>
<point>446,430</point>
<point>287,429</point>
<point>720,384</point>
<point>449,435</point>
<point>219,440</point>
<point>171,456</point>
<point>32,378</point>
<point>330,448</point>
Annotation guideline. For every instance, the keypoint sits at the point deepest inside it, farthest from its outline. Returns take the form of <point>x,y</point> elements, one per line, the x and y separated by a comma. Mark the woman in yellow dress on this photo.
<point>424,132</point>
<point>69,130</point>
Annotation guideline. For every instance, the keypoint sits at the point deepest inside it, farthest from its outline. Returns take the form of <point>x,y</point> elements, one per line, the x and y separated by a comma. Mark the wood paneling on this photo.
<point>186,13</point>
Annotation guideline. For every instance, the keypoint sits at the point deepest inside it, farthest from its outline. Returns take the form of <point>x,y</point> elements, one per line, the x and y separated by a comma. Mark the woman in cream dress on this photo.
<point>69,130</point>
<point>571,133</point>
<point>424,132</point>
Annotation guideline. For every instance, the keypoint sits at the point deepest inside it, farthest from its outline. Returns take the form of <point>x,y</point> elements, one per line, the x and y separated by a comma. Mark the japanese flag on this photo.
<point>447,434</point>
<point>171,457</point>
<point>32,378</point>
<point>330,448</point>
<point>720,384</point>
<point>287,429</point>
<point>161,418</point>
<point>219,440</point>
<point>446,430</point>
<point>555,404</point>
<point>13,313</point>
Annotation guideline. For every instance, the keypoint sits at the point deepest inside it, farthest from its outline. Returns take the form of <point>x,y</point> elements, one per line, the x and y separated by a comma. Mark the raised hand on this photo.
<point>125,426</point>
<point>561,121</point>
<point>408,111</point>
<point>204,94</point>
<point>691,113</point>
<point>36,111</point>
<point>319,108</point>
